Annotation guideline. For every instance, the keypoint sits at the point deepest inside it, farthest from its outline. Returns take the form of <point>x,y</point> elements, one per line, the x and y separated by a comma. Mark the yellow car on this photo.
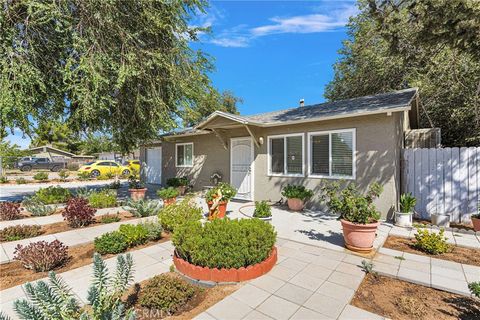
<point>104,167</point>
<point>134,165</point>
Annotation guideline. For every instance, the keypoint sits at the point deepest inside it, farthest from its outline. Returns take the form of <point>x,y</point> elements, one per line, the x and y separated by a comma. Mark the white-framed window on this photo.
<point>184,154</point>
<point>286,155</point>
<point>331,154</point>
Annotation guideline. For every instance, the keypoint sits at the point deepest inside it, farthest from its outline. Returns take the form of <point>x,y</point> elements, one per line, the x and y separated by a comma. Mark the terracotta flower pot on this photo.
<point>137,194</point>
<point>295,204</point>
<point>182,190</point>
<point>476,224</point>
<point>167,202</point>
<point>222,208</point>
<point>359,237</point>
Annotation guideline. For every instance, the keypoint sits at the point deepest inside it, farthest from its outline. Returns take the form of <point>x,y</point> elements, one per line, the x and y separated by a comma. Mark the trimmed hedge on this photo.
<point>224,243</point>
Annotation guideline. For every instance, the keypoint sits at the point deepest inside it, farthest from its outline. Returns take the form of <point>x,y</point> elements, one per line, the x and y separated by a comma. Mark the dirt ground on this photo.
<point>13,273</point>
<point>203,299</point>
<point>402,300</point>
<point>456,254</point>
<point>452,224</point>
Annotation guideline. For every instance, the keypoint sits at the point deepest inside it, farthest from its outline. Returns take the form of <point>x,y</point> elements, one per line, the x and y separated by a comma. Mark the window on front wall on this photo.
<point>286,155</point>
<point>332,154</point>
<point>184,154</point>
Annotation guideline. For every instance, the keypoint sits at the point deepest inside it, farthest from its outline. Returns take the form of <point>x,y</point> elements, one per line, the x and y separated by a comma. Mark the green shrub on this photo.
<point>177,182</point>
<point>142,207</point>
<point>20,181</point>
<point>40,176</point>
<point>474,288</point>
<point>431,242</point>
<point>103,199</point>
<point>38,208</point>
<point>3,179</point>
<point>63,174</point>
<point>19,232</point>
<point>262,209</point>
<point>166,293</point>
<point>154,230</point>
<point>350,204</point>
<point>296,192</point>
<point>112,242</point>
<point>226,190</point>
<point>84,175</point>
<point>224,243</point>
<point>134,234</point>
<point>110,218</point>
<point>407,202</point>
<point>168,193</point>
<point>53,195</point>
<point>178,213</point>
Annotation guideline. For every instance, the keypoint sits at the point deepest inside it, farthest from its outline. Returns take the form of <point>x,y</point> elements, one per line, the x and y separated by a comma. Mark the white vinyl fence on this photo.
<point>444,180</point>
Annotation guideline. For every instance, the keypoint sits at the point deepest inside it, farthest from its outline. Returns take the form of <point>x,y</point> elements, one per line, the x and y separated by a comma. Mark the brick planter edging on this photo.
<point>226,275</point>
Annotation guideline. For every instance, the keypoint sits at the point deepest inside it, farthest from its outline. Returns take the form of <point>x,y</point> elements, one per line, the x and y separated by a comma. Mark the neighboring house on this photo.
<point>357,140</point>
<point>57,155</point>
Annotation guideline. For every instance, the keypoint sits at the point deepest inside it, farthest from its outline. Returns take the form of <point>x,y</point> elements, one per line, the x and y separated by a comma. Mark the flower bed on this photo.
<point>226,275</point>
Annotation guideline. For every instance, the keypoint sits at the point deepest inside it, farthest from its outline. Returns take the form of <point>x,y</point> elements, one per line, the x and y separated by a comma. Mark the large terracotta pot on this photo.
<point>359,237</point>
<point>167,202</point>
<point>137,194</point>
<point>222,208</point>
<point>476,224</point>
<point>295,204</point>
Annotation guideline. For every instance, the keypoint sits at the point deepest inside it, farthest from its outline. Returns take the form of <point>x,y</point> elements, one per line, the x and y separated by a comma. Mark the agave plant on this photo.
<point>84,192</point>
<point>55,301</point>
<point>37,208</point>
<point>143,208</point>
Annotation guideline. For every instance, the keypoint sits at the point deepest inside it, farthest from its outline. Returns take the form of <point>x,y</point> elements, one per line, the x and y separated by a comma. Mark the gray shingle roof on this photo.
<point>379,102</point>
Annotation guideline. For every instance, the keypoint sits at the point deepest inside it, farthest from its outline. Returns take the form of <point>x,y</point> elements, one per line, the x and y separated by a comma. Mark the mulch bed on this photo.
<point>203,299</point>
<point>13,273</point>
<point>402,300</point>
<point>63,225</point>
<point>456,254</point>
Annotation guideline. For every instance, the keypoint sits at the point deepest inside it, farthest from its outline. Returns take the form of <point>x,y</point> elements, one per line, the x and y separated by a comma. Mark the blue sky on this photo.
<point>271,53</point>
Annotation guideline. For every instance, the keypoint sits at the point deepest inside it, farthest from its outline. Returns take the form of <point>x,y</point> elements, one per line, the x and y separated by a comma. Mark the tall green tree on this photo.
<point>96,143</point>
<point>374,60</point>
<point>57,134</point>
<point>122,67</point>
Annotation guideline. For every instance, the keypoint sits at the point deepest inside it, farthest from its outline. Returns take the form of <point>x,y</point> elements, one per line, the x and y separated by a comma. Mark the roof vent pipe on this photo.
<point>302,102</point>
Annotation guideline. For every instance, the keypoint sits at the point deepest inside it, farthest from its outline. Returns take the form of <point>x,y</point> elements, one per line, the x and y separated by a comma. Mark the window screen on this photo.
<point>320,150</point>
<point>342,154</point>
<point>277,155</point>
<point>294,155</point>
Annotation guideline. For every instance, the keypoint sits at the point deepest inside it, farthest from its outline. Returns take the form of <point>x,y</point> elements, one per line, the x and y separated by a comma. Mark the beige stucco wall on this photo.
<point>378,145</point>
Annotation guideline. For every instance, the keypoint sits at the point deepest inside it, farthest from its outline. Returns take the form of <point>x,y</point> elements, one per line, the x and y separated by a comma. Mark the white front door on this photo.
<point>153,167</point>
<point>241,167</point>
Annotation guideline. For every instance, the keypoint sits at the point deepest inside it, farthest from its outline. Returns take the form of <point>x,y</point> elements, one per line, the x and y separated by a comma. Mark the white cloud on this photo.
<point>231,42</point>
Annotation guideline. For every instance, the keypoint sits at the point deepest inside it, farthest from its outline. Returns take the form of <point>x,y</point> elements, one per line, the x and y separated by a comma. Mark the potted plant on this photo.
<point>136,188</point>
<point>296,196</point>
<point>358,214</point>
<point>403,218</point>
<point>217,199</point>
<point>168,195</point>
<point>262,211</point>
<point>180,183</point>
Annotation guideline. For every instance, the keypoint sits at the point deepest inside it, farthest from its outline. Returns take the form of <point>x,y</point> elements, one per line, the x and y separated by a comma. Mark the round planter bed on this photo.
<point>226,275</point>
<point>250,216</point>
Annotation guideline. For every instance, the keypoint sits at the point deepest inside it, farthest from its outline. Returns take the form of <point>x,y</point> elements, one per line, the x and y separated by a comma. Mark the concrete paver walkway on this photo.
<point>69,238</point>
<point>431,272</point>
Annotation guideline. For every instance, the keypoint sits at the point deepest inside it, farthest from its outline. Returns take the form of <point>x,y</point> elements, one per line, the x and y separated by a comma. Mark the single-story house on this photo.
<point>358,140</point>
<point>55,154</point>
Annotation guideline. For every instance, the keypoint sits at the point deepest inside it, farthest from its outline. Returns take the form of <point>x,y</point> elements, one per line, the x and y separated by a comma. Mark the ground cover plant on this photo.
<point>103,199</point>
<point>9,210</point>
<point>143,208</point>
<point>78,213</point>
<point>40,176</point>
<point>42,255</point>
<point>20,181</point>
<point>18,232</point>
<point>431,242</point>
<point>37,208</point>
<point>54,300</point>
<point>110,218</point>
<point>53,195</point>
<point>168,193</point>
<point>351,204</point>
<point>296,192</point>
<point>224,243</point>
<point>262,209</point>
<point>475,288</point>
<point>178,213</point>
<point>166,293</point>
